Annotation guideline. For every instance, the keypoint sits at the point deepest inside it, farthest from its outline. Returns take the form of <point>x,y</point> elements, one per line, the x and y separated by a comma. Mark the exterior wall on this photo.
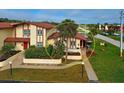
<point>4,33</point>
<point>42,61</point>
<point>51,41</point>
<point>44,37</point>
<point>19,31</point>
<point>77,43</point>
<point>19,46</point>
<point>73,57</point>
<point>50,32</point>
<point>33,35</point>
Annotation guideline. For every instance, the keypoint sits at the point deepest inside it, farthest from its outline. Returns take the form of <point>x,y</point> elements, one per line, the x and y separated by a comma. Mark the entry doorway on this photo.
<point>25,45</point>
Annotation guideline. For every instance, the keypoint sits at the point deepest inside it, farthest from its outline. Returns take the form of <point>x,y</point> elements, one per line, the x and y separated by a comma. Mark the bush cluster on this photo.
<point>56,51</point>
<point>7,48</point>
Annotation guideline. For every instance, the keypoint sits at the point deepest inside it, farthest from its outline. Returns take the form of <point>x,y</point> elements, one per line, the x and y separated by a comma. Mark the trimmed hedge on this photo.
<point>36,53</point>
<point>51,51</point>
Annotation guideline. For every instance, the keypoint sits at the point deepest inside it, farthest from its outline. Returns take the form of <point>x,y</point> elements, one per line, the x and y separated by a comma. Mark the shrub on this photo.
<point>7,48</point>
<point>36,53</point>
<point>50,49</point>
<point>33,46</point>
<point>56,51</point>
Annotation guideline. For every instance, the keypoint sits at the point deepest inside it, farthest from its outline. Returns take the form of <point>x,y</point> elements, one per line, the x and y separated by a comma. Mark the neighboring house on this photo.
<point>73,43</point>
<point>26,34</point>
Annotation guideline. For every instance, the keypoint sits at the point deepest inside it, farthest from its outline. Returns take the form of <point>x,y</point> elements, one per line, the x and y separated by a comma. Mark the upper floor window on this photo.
<point>26,33</point>
<point>39,32</point>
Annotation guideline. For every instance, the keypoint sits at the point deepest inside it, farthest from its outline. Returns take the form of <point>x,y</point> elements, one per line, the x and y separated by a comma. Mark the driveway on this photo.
<point>109,40</point>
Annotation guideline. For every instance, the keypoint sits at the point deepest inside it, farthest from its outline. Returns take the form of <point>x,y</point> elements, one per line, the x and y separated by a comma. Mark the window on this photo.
<point>39,44</point>
<point>39,32</point>
<point>26,33</point>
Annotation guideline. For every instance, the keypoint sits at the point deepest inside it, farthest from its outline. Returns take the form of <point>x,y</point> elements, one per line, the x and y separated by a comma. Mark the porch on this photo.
<point>20,43</point>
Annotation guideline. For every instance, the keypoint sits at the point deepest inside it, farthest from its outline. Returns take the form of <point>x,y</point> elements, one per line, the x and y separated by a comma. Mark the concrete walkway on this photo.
<point>109,40</point>
<point>88,67</point>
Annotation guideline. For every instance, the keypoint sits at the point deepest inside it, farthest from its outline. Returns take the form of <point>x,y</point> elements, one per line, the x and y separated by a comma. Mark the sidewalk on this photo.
<point>90,72</point>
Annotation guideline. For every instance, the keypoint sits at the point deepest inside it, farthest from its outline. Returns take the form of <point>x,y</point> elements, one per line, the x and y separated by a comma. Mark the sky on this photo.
<point>83,16</point>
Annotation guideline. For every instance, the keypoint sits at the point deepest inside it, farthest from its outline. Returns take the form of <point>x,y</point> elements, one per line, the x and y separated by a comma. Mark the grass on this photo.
<point>107,64</point>
<point>72,74</point>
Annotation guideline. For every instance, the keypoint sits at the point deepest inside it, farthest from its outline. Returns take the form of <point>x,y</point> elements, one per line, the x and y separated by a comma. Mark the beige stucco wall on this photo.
<point>44,37</point>
<point>50,41</point>
<point>77,43</point>
<point>74,57</point>
<point>51,31</point>
<point>4,33</point>
<point>42,61</point>
<point>32,35</point>
<point>19,46</point>
<point>19,31</point>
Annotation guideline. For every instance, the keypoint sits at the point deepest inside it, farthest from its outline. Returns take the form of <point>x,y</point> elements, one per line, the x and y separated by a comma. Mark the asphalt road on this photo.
<point>109,40</point>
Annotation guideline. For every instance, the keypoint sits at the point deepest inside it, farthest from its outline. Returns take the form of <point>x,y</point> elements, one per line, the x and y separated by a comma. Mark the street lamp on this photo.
<point>82,69</point>
<point>10,63</point>
<point>121,36</point>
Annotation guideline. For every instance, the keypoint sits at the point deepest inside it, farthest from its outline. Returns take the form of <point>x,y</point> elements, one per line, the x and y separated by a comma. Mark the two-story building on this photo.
<point>26,34</point>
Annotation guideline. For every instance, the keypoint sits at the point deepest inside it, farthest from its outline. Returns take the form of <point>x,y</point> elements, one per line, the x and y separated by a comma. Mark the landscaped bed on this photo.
<point>41,55</point>
<point>5,56</point>
<point>72,74</point>
<point>107,63</point>
<point>8,50</point>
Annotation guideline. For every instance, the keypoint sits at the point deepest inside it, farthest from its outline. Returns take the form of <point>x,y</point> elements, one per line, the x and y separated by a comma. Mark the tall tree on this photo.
<point>68,29</point>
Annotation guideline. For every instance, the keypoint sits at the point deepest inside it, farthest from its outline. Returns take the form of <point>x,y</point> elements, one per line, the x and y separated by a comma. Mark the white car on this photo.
<point>116,34</point>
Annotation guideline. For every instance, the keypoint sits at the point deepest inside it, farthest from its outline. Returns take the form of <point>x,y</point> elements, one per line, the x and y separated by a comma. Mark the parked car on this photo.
<point>116,34</point>
<point>105,33</point>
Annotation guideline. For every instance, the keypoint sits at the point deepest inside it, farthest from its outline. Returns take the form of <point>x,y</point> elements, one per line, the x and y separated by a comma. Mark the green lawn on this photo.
<point>72,74</point>
<point>107,64</point>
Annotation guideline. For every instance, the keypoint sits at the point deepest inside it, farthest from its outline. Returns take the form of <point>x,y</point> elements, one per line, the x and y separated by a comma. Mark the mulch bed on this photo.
<point>90,53</point>
<point>73,53</point>
<point>7,55</point>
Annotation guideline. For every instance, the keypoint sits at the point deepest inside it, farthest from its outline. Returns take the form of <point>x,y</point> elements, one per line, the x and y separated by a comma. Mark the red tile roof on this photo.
<point>57,34</point>
<point>40,24</point>
<point>43,24</point>
<point>11,39</point>
<point>5,25</point>
<point>54,35</point>
<point>80,36</point>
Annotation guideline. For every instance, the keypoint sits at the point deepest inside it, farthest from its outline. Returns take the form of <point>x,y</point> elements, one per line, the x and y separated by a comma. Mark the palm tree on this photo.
<point>68,29</point>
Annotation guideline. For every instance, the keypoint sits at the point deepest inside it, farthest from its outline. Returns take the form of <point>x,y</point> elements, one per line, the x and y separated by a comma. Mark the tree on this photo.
<point>68,29</point>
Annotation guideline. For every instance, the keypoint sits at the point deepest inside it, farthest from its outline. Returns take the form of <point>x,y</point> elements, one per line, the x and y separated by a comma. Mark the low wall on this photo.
<point>42,61</point>
<point>6,62</point>
<point>74,57</point>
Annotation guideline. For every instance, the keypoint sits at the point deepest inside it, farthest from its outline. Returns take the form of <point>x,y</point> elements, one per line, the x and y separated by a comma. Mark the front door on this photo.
<point>81,41</point>
<point>25,45</point>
